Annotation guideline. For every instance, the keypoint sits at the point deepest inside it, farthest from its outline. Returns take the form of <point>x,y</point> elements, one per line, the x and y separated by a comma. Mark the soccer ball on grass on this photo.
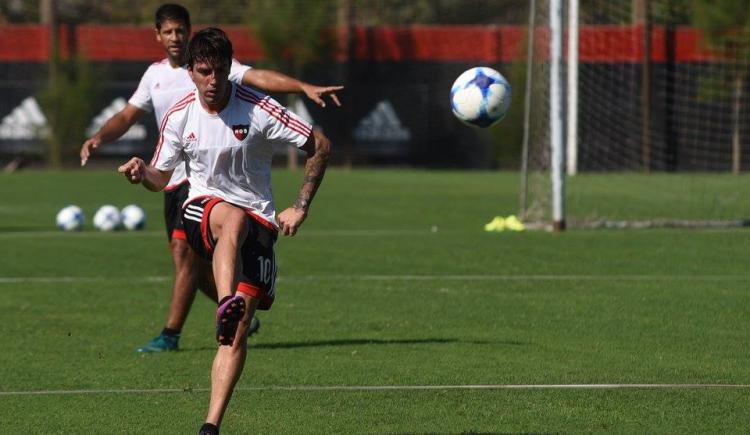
<point>133,217</point>
<point>480,97</point>
<point>70,218</point>
<point>107,218</point>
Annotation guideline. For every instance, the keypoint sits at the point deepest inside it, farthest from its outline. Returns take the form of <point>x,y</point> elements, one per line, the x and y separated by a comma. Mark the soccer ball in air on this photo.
<point>133,217</point>
<point>480,97</point>
<point>107,218</point>
<point>70,218</point>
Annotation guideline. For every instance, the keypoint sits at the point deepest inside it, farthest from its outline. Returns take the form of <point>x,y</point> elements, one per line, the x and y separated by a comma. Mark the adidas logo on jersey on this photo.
<point>136,132</point>
<point>382,124</point>
<point>26,121</point>
<point>191,137</point>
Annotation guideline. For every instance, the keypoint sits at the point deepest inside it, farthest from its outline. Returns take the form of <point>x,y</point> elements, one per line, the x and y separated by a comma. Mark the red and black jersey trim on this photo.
<point>183,103</point>
<point>275,110</point>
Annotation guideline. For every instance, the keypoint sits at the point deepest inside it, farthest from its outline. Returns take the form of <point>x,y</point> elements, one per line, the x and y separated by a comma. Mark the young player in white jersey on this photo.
<point>227,133</point>
<point>161,86</point>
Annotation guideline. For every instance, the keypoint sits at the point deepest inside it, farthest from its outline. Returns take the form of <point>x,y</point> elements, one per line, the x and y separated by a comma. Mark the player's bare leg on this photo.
<point>189,271</point>
<point>185,263</point>
<point>229,226</point>
<point>228,365</point>
<point>186,271</point>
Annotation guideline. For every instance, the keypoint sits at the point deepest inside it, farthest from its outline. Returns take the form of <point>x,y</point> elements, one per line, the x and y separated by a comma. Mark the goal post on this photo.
<point>571,145</point>
<point>643,107</point>
<point>556,114</point>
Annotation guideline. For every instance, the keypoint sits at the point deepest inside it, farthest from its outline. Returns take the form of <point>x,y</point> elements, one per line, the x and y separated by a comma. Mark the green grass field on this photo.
<point>392,302</point>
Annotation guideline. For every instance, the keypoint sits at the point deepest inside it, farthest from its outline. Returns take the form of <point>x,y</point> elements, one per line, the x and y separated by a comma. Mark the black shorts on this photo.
<point>173,200</point>
<point>258,261</point>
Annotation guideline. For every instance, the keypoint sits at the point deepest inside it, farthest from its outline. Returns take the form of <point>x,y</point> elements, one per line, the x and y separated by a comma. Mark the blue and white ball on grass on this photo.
<point>480,97</point>
<point>70,218</point>
<point>107,218</point>
<point>133,217</point>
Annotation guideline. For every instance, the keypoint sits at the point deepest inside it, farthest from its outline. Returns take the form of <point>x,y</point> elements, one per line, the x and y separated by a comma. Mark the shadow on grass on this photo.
<point>369,341</point>
<point>475,433</point>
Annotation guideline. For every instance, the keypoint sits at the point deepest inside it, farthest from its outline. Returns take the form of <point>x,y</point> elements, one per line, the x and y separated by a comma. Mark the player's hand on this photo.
<point>134,170</point>
<point>290,220</point>
<point>316,93</point>
<point>87,147</point>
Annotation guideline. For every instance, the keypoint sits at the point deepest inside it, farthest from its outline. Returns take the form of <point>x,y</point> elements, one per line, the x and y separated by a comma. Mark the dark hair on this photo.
<point>172,12</point>
<point>210,45</point>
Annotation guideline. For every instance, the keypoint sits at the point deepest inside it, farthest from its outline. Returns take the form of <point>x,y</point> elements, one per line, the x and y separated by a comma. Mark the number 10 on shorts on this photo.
<point>265,269</point>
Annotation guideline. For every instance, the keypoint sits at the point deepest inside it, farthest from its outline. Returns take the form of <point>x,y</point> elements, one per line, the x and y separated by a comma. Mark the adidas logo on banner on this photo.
<point>25,122</point>
<point>136,132</point>
<point>382,124</point>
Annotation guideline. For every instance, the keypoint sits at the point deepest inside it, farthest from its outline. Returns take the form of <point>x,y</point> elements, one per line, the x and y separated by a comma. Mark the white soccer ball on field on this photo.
<point>70,218</point>
<point>107,218</point>
<point>480,97</point>
<point>133,217</point>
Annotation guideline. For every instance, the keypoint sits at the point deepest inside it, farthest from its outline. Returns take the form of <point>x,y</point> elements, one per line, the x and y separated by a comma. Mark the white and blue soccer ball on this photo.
<point>70,218</point>
<point>107,218</point>
<point>133,217</point>
<point>480,97</point>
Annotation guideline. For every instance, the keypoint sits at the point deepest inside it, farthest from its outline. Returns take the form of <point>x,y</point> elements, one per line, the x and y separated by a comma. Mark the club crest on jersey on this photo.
<point>241,131</point>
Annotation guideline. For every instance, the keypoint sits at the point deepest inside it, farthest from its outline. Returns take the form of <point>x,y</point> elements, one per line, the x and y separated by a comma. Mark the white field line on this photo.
<point>344,388</point>
<point>437,277</point>
<point>72,279</point>
<point>547,277</point>
<point>161,233</point>
<point>73,234</point>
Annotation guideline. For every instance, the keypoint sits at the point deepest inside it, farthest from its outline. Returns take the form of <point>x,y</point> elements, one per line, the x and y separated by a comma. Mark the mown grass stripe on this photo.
<point>390,388</point>
<point>162,278</point>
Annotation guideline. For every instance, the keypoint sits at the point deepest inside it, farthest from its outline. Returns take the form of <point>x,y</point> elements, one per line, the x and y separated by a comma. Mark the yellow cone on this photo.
<point>514,224</point>
<point>496,225</point>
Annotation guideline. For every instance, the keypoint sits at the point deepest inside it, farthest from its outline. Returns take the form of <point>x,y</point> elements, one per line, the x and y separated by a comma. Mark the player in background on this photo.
<point>227,133</point>
<point>161,86</point>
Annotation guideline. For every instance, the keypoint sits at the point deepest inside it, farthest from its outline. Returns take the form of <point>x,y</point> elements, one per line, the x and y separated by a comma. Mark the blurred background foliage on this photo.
<point>367,12</point>
<point>294,37</point>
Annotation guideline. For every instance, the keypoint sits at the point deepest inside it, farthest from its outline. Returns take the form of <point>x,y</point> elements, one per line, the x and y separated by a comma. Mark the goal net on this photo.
<point>659,128</point>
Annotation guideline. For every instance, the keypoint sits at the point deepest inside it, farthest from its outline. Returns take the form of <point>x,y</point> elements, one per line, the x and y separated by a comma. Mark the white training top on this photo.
<point>162,86</point>
<point>229,154</point>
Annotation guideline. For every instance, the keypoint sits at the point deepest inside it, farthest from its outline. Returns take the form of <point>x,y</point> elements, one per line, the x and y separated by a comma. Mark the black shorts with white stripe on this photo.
<point>258,260</point>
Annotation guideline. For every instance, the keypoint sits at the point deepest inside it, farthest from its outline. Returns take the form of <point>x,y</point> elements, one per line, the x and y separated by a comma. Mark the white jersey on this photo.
<point>229,154</point>
<point>162,86</point>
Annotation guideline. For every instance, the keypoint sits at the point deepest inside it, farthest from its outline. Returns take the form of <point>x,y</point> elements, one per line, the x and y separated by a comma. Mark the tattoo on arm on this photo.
<point>315,168</point>
<point>301,204</point>
<point>314,171</point>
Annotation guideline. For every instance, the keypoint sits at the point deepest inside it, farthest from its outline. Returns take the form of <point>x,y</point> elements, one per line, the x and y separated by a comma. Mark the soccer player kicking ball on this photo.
<point>161,86</point>
<point>226,133</point>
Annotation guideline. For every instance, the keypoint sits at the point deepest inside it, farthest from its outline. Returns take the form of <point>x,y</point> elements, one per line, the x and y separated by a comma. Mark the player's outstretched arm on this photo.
<point>115,127</point>
<point>273,81</point>
<point>318,149</point>
<point>136,171</point>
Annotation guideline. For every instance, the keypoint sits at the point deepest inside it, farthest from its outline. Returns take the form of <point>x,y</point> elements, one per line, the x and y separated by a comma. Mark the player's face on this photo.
<point>173,37</point>
<point>212,83</point>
